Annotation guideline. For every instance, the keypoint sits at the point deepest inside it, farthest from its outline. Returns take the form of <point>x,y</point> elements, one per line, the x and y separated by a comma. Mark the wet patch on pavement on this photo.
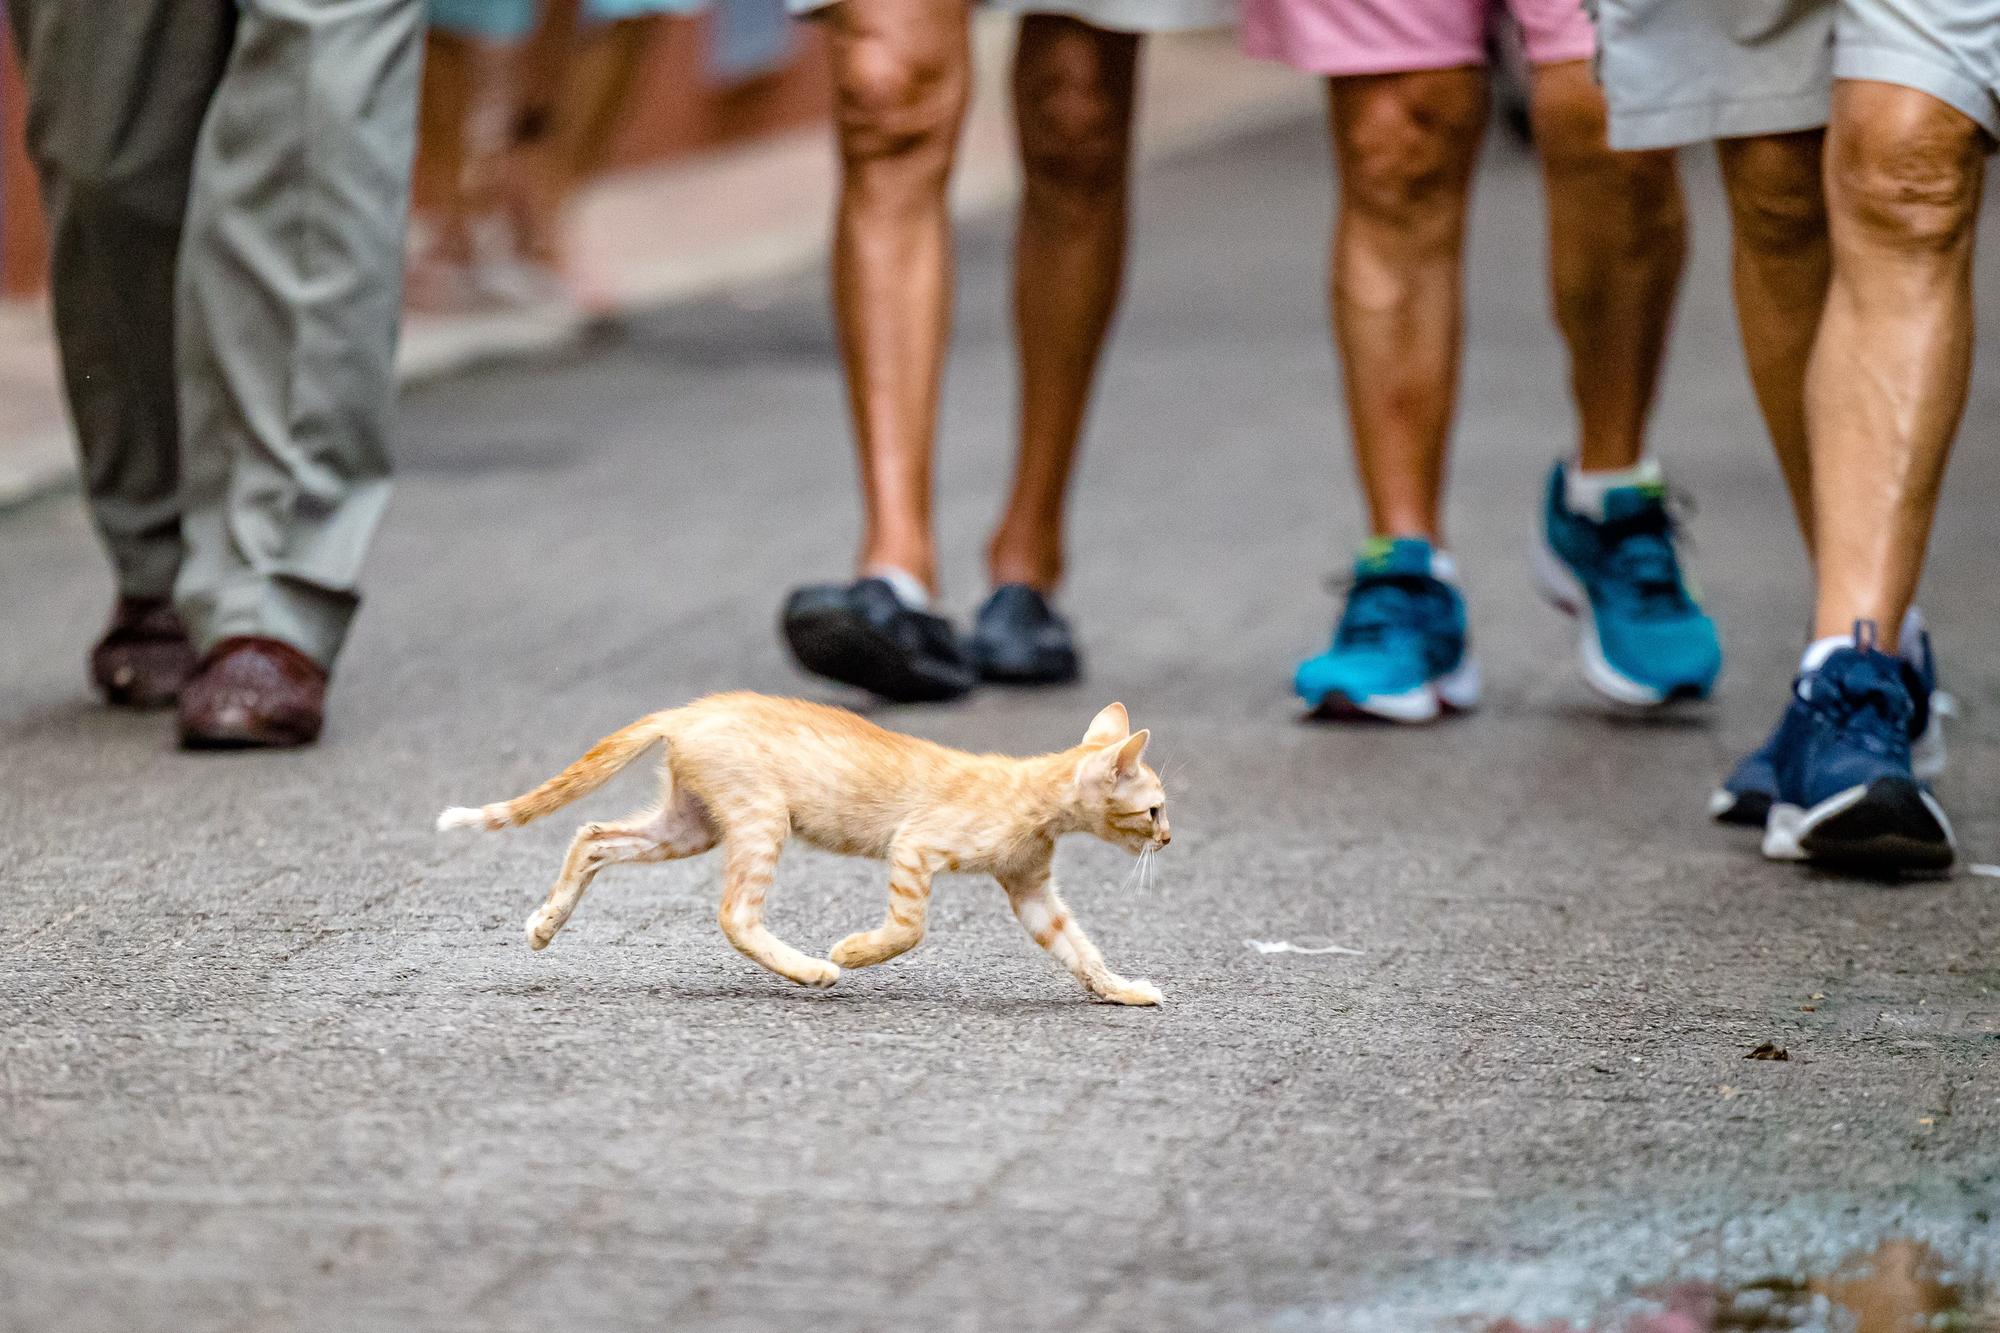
<point>1901,1286</point>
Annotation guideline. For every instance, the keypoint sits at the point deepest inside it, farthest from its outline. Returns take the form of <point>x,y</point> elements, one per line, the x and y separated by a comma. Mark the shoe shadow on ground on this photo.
<point>85,719</point>
<point>1857,877</point>
<point>1649,720</point>
<point>1900,1285</point>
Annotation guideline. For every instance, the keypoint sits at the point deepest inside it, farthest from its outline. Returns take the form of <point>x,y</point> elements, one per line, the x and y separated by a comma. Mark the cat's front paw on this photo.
<point>817,974</point>
<point>1137,992</point>
<point>541,928</point>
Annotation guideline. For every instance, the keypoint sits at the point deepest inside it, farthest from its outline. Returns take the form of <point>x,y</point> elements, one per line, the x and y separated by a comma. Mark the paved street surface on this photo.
<point>272,1054</point>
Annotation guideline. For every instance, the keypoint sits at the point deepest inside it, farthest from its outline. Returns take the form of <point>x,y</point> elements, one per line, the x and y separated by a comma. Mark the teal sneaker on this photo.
<point>1645,641</point>
<point>1399,652</point>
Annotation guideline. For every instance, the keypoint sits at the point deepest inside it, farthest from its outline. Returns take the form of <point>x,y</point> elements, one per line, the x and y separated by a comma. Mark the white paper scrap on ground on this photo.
<point>1286,946</point>
<point>1991,872</point>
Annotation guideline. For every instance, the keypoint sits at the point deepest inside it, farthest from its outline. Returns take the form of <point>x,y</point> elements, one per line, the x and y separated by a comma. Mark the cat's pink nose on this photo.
<point>1166,836</point>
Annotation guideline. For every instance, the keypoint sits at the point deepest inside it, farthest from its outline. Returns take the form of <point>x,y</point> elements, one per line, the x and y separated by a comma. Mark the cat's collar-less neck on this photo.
<point>1053,779</point>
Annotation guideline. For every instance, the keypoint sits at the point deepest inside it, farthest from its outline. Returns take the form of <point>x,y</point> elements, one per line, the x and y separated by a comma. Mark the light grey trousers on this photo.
<point>226,184</point>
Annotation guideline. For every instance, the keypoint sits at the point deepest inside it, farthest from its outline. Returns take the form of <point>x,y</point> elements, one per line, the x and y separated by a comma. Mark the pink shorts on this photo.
<point>1393,36</point>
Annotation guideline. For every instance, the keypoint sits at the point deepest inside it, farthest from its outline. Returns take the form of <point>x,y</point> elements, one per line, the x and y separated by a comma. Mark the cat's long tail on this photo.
<point>601,763</point>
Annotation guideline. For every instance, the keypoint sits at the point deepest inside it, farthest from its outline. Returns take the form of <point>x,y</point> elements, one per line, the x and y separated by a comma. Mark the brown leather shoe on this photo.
<point>253,692</point>
<point>144,658</point>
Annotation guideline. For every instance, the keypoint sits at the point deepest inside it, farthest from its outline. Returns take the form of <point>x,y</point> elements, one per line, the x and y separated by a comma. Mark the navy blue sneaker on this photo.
<point>1019,639</point>
<point>1745,796</point>
<point>1400,651</point>
<point>1645,639</point>
<point>862,634</point>
<point>1846,795</point>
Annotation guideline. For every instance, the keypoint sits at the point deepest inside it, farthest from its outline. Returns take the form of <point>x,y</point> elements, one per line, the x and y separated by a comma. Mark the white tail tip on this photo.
<point>460,816</point>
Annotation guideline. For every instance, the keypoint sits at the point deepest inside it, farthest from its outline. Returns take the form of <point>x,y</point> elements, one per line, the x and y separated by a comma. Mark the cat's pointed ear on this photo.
<point>1110,725</point>
<point>1130,753</point>
<point>1112,764</point>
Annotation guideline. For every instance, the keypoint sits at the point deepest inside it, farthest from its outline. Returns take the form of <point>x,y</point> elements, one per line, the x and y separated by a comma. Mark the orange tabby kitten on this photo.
<point>748,771</point>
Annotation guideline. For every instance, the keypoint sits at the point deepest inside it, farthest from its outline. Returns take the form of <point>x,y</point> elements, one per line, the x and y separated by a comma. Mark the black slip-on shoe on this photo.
<point>861,634</point>
<point>1019,639</point>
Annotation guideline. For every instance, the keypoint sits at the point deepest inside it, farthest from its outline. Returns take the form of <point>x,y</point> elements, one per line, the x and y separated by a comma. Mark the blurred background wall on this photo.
<point>734,74</point>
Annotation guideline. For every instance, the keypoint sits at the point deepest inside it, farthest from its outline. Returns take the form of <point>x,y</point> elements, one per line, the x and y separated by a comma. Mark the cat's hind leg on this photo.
<point>679,828</point>
<point>752,847</point>
<point>903,930</point>
<point>1049,922</point>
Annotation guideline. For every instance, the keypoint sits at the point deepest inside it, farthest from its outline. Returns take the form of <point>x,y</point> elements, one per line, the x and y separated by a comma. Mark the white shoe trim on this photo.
<point>1937,813</point>
<point>1418,705</point>
<point>1566,592</point>
<point>1457,689</point>
<point>1781,833</point>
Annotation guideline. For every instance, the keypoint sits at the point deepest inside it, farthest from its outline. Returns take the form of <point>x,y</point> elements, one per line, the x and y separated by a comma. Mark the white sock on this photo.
<point>909,589</point>
<point>1820,649</point>
<point>1584,492</point>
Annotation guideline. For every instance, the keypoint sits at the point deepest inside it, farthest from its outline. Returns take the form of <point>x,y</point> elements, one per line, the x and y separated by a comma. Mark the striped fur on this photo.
<point>749,771</point>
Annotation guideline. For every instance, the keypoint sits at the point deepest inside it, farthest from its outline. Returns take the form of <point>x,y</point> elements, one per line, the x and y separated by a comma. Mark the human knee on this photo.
<point>1073,135</point>
<point>1777,202</point>
<point>1910,181</point>
<point>1404,161</point>
<point>894,104</point>
<point>1649,185</point>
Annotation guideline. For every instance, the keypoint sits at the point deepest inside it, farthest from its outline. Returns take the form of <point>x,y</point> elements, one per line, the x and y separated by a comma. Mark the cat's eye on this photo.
<point>1154,814</point>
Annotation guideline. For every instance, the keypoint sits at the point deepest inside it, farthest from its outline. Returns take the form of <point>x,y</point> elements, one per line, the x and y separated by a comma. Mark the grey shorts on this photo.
<point>1681,71</point>
<point>1111,15</point>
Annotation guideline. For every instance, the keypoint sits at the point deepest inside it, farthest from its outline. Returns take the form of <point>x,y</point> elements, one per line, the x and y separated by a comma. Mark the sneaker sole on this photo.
<point>843,647</point>
<point>1887,827</point>
<point>1457,691</point>
<point>1565,592</point>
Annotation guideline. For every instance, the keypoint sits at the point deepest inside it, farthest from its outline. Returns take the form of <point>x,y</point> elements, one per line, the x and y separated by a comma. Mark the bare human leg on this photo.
<point>1781,265</point>
<point>1893,360</point>
<point>456,69</point>
<point>1617,239</point>
<point>598,66</point>
<point>902,69</point>
<point>1074,90</point>
<point>1404,147</point>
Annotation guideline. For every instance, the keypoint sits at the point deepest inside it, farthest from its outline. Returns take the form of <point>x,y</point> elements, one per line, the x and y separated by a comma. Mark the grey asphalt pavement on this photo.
<point>273,1056</point>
